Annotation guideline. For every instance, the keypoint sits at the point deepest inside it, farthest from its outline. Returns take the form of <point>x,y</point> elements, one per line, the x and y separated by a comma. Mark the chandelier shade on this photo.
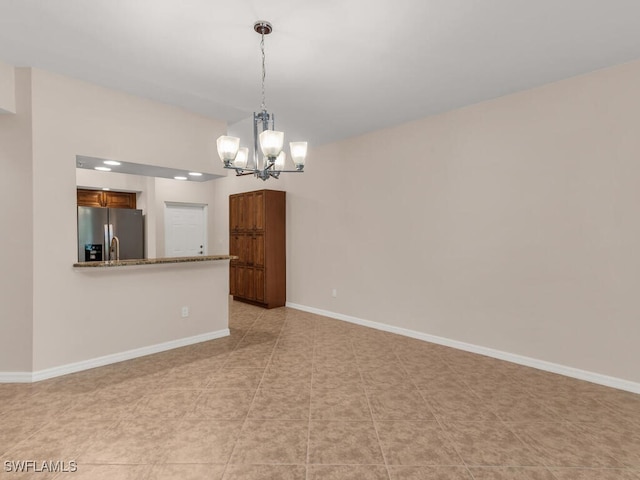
<point>265,137</point>
<point>228,148</point>
<point>280,161</point>
<point>241,158</point>
<point>298,153</point>
<point>271,143</point>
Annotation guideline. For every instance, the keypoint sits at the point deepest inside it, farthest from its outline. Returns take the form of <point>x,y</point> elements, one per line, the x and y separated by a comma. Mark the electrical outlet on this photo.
<point>334,292</point>
<point>185,312</point>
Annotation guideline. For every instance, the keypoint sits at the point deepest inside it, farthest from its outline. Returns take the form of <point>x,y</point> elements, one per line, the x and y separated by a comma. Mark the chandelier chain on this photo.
<point>264,107</point>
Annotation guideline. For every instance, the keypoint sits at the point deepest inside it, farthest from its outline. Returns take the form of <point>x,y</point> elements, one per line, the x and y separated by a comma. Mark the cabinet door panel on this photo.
<point>248,212</point>
<point>258,211</point>
<point>120,199</point>
<point>234,212</point>
<point>235,247</point>
<point>232,280</point>
<point>90,198</point>
<point>246,253</point>
<point>250,283</point>
<point>257,244</point>
<point>241,283</point>
<point>259,284</point>
<point>241,212</point>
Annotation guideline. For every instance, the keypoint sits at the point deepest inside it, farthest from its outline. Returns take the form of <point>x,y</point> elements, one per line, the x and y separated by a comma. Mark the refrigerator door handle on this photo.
<point>111,254</point>
<point>107,242</point>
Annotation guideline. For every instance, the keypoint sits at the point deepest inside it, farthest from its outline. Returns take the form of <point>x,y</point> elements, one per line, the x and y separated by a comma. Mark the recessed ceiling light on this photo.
<point>111,162</point>
<point>195,174</point>
<point>180,178</point>
<point>103,169</point>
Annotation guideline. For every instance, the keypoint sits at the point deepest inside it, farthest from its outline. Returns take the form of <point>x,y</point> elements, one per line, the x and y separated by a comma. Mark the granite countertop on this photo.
<point>153,261</point>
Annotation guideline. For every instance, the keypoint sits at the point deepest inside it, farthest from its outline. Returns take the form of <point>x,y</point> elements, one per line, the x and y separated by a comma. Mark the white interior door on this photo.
<point>185,228</point>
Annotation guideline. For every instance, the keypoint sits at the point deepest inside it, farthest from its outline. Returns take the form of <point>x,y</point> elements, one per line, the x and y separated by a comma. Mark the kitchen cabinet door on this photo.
<point>257,250</point>
<point>120,199</point>
<point>234,213</point>
<point>241,281</point>
<point>234,247</point>
<point>258,211</point>
<point>258,280</point>
<point>90,198</point>
<point>248,215</point>
<point>250,283</point>
<point>233,280</point>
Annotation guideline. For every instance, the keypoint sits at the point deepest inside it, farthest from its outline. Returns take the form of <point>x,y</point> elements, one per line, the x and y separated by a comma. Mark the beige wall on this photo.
<point>7,89</point>
<point>16,241</point>
<point>512,224</point>
<point>79,315</point>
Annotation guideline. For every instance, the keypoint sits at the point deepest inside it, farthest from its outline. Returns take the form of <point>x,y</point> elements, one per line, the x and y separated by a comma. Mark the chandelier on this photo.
<point>270,141</point>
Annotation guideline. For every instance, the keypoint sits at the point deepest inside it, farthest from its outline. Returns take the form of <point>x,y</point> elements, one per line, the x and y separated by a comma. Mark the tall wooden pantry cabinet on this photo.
<point>257,237</point>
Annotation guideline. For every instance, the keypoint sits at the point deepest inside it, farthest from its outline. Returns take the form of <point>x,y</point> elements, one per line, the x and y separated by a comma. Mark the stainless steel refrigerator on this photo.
<point>97,226</point>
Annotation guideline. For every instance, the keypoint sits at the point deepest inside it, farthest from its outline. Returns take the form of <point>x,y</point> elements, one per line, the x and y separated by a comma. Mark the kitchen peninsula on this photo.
<point>153,305</point>
<point>153,261</point>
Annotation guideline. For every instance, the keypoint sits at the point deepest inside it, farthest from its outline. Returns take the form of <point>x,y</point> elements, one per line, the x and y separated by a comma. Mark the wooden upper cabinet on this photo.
<point>109,199</point>
<point>90,198</point>
<point>120,199</point>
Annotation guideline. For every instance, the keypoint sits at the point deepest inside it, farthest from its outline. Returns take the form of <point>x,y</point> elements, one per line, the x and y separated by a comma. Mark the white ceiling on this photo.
<point>335,68</point>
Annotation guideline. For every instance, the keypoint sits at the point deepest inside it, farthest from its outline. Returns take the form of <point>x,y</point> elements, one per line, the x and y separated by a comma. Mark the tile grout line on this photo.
<point>373,421</point>
<point>444,431</point>
<point>313,356</point>
<point>501,420</point>
<point>226,466</point>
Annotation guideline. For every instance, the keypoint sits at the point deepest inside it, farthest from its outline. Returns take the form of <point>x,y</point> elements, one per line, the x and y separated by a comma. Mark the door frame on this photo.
<point>205,212</point>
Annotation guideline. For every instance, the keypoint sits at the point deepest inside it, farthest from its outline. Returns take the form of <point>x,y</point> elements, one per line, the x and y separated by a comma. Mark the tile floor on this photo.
<point>295,396</point>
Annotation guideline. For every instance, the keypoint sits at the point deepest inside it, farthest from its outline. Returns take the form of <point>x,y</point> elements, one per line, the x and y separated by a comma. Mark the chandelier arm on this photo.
<point>240,171</point>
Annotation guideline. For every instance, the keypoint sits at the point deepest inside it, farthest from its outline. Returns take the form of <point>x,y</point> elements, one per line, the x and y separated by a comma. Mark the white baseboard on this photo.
<point>15,377</point>
<point>592,377</point>
<point>29,377</point>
